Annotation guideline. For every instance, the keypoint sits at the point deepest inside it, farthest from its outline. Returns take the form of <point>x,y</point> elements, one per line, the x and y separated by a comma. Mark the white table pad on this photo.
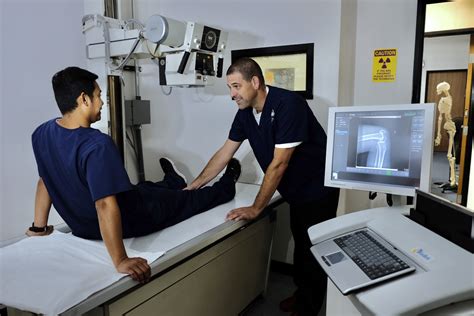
<point>51,274</point>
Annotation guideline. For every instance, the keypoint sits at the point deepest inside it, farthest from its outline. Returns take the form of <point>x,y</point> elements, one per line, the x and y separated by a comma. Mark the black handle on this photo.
<point>162,70</point>
<point>220,64</point>
<point>183,62</point>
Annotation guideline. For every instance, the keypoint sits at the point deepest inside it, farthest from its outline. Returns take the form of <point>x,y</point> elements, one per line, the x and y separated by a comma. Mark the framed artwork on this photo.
<point>289,67</point>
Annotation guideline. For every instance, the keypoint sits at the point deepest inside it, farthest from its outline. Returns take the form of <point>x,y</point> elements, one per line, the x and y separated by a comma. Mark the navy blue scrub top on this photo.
<point>80,166</point>
<point>287,118</point>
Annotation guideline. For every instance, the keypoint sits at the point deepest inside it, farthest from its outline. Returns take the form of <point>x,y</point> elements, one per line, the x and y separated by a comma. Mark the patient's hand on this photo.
<point>249,212</point>
<point>48,231</point>
<point>137,268</point>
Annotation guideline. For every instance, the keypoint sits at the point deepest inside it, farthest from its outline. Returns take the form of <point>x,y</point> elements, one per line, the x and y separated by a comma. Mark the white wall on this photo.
<point>384,24</point>
<point>191,124</point>
<point>381,24</point>
<point>347,52</point>
<point>347,57</point>
<point>38,38</point>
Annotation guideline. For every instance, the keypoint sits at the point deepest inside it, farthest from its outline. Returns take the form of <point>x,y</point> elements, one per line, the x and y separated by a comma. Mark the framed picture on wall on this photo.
<point>289,67</point>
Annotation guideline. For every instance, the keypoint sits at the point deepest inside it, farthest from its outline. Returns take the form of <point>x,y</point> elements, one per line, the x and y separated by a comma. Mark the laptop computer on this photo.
<point>360,258</point>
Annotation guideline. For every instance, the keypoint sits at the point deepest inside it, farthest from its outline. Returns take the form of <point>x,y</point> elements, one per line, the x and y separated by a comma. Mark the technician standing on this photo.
<point>290,146</point>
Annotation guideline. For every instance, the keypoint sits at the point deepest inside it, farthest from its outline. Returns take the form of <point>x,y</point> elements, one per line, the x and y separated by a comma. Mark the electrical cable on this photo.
<point>132,144</point>
<point>166,93</point>
<point>105,27</point>
<point>209,99</point>
<point>149,50</point>
<point>134,46</point>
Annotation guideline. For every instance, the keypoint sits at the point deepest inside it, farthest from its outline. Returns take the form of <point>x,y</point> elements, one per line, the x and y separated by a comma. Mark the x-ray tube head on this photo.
<point>166,31</point>
<point>190,54</point>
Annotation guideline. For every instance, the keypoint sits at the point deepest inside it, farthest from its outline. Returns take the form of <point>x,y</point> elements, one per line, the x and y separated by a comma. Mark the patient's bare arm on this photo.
<point>110,223</point>
<point>42,208</point>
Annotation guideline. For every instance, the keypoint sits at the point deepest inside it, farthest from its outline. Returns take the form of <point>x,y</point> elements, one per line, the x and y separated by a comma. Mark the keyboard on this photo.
<point>373,258</point>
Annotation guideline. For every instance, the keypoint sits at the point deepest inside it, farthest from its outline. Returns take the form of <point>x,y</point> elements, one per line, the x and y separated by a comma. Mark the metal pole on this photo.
<point>114,89</point>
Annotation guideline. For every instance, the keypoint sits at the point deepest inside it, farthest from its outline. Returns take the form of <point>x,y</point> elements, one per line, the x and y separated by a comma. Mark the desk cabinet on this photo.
<point>221,280</point>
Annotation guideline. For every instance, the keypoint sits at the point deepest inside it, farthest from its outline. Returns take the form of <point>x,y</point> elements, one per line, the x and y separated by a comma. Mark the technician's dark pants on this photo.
<point>309,277</point>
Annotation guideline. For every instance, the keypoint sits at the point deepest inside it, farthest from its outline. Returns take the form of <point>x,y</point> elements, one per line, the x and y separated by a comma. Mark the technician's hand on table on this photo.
<point>137,268</point>
<point>248,212</point>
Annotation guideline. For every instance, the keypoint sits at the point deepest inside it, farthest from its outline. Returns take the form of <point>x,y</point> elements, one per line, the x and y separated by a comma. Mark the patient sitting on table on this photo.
<point>82,174</point>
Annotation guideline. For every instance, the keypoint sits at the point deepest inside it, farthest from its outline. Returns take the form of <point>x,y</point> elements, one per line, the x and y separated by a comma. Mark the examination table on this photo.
<point>209,267</point>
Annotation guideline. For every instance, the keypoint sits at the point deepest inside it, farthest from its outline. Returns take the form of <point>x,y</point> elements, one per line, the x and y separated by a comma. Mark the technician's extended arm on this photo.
<point>273,175</point>
<point>110,223</point>
<point>215,165</point>
<point>42,208</point>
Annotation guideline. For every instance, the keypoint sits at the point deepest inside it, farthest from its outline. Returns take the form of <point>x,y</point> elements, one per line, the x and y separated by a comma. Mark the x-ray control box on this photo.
<point>137,112</point>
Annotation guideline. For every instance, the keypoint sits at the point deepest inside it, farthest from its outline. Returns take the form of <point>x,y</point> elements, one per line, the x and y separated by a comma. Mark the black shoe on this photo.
<point>288,304</point>
<point>169,168</point>
<point>233,169</point>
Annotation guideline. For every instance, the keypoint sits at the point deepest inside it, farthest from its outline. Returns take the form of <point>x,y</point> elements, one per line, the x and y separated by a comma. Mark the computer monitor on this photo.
<point>450,220</point>
<point>386,148</point>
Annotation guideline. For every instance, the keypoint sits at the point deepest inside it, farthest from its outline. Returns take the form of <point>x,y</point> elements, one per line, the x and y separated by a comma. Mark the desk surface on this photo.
<point>444,275</point>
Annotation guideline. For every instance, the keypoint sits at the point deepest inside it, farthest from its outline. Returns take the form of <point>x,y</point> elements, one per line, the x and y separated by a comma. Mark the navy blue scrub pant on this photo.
<point>169,204</point>
<point>310,279</point>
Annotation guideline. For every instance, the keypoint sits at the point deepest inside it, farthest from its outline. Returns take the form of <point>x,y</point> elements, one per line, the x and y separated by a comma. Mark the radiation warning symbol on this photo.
<point>384,62</point>
<point>384,65</point>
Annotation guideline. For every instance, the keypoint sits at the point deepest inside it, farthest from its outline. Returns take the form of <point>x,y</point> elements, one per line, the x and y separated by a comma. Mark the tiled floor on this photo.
<point>440,174</point>
<point>280,286</point>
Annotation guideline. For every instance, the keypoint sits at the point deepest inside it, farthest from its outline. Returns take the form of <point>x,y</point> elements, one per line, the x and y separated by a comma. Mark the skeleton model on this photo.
<point>444,107</point>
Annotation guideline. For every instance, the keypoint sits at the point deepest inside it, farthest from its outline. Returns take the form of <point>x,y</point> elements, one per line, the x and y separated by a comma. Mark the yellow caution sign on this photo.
<point>384,67</point>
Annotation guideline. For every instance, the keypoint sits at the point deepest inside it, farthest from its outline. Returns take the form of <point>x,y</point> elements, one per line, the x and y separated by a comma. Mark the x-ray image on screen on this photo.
<point>373,147</point>
<point>380,148</point>
<point>379,142</point>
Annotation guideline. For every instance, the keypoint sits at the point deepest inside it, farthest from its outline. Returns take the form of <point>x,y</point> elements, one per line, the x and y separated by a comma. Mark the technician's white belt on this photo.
<point>179,242</point>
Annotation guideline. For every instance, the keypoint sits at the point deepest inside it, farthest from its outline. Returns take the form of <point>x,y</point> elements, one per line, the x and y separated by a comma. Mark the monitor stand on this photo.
<point>392,200</point>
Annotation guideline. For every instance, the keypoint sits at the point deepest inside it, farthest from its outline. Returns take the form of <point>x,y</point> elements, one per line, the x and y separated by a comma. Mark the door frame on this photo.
<point>464,71</point>
<point>416,90</point>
